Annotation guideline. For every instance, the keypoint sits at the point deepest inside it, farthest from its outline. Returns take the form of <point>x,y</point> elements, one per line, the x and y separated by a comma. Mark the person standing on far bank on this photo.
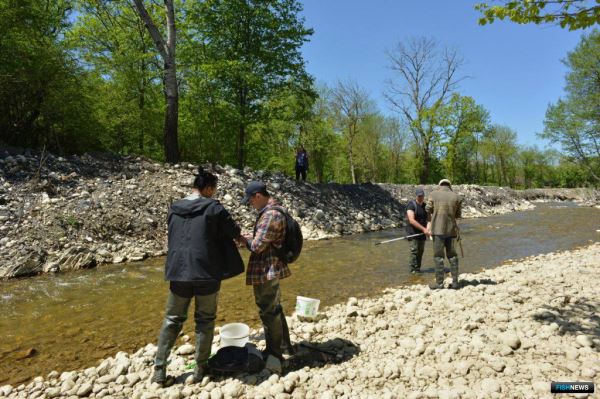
<point>417,223</point>
<point>301,163</point>
<point>201,253</point>
<point>444,206</point>
<point>267,266</point>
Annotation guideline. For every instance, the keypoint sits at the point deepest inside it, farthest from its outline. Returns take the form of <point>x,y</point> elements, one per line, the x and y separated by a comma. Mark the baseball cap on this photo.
<point>252,188</point>
<point>420,192</point>
<point>444,181</point>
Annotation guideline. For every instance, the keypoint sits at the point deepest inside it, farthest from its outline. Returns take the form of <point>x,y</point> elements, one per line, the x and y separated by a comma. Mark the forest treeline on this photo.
<point>224,81</point>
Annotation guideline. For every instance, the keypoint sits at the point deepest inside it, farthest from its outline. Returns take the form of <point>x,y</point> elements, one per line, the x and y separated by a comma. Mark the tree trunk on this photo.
<point>141,105</point>
<point>241,154</point>
<point>424,178</point>
<point>171,114</point>
<point>166,48</point>
<point>351,166</point>
<point>352,131</point>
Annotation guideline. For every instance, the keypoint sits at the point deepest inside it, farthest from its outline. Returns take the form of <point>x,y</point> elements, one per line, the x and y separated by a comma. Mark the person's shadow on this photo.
<point>306,354</point>
<point>319,354</point>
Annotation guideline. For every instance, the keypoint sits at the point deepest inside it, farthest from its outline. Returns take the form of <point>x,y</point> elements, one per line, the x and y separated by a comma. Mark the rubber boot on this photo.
<point>439,274</point>
<point>201,367</point>
<point>286,346</point>
<point>175,317</point>
<point>454,272</point>
<point>160,375</point>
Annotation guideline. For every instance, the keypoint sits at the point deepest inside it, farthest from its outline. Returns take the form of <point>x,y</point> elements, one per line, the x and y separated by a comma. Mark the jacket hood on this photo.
<point>186,207</point>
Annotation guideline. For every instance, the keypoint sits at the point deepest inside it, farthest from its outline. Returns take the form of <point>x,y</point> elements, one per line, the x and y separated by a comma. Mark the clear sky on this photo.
<point>515,70</point>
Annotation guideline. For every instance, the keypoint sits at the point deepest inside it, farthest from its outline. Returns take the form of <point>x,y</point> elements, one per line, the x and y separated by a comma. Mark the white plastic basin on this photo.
<point>234,334</point>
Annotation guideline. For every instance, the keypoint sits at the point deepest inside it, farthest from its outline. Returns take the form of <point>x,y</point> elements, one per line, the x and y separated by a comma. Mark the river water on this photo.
<point>70,321</point>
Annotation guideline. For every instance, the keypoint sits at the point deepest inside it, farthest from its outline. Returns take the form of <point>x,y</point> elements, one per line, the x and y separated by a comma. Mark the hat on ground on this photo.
<point>253,188</point>
<point>420,192</point>
<point>444,181</point>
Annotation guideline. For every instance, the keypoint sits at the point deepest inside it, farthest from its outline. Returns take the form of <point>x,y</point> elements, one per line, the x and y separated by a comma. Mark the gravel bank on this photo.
<point>506,334</point>
<point>59,214</point>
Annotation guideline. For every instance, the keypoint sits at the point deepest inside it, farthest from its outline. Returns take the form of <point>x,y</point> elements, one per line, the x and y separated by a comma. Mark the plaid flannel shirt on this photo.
<point>265,263</point>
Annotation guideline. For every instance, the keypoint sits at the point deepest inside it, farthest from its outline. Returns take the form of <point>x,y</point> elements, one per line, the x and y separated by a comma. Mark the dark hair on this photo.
<point>204,179</point>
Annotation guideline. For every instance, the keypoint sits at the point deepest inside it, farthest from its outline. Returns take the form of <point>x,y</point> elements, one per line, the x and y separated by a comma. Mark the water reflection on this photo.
<point>72,320</point>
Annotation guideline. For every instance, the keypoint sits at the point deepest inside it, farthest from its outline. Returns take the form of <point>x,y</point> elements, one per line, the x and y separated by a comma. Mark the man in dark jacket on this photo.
<point>201,253</point>
<point>444,206</point>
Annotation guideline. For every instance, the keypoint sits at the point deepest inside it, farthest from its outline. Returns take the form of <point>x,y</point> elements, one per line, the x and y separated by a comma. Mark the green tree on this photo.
<point>500,149</point>
<point>351,105</point>
<point>114,45</point>
<point>42,100</point>
<point>395,138</point>
<point>461,119</point>
<point>574,122</point>
<point>571,14</point>
<point>251,49</point>
<point>318,137</point>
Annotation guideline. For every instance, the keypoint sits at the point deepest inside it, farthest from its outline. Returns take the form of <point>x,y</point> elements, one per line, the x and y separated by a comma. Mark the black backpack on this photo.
<point>292,243</point>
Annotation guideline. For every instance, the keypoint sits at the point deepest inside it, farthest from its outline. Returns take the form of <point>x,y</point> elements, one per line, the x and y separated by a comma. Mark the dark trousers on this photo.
<point>301,171</point>
<point>205,312</point>
<point>416,254</point>
<point>441,244</point>
<point>267,297</point>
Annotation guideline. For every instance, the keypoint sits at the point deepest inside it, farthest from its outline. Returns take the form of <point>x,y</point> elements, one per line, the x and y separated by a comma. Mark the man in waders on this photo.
<point>444,206</point>
<point>266,267</point>
<point>201,253</point>
<point>417,223</point>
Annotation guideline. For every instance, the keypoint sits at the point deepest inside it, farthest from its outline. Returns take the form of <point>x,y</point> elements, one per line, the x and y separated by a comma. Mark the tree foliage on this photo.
<point>571,14</point>
<point>42,89</point>
<point>574,122</point>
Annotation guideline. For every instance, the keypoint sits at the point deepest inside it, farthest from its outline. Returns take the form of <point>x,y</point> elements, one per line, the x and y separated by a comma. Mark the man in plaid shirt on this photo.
<point>266,266</point>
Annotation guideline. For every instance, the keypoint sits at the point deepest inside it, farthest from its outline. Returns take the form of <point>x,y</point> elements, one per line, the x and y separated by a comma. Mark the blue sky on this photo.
<point>515,70</point>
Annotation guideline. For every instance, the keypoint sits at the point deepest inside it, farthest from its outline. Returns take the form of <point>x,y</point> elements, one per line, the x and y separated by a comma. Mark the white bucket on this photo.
<point>234,334</point>
<point>307,307</point>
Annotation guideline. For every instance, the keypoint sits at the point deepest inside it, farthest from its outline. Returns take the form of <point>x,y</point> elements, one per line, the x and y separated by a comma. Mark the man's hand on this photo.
<point>242,241</point>
<point>427,232</point>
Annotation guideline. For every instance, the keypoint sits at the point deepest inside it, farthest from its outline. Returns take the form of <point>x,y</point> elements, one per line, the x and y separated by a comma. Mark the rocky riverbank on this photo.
<point>59,214</point>
<point>507,333</point>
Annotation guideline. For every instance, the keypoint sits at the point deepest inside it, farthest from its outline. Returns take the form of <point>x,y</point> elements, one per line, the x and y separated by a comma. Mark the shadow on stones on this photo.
<point>320,354</point>
<point>475,282</point>
<point>578,318</point>
<point>307,354</point>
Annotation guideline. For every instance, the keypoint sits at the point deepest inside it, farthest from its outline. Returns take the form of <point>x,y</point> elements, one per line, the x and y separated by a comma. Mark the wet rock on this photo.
<point>25,265</point>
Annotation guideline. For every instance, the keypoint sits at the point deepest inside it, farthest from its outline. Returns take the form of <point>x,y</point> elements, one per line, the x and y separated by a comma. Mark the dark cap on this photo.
<point>420,192</point>
<point>253,188</point>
